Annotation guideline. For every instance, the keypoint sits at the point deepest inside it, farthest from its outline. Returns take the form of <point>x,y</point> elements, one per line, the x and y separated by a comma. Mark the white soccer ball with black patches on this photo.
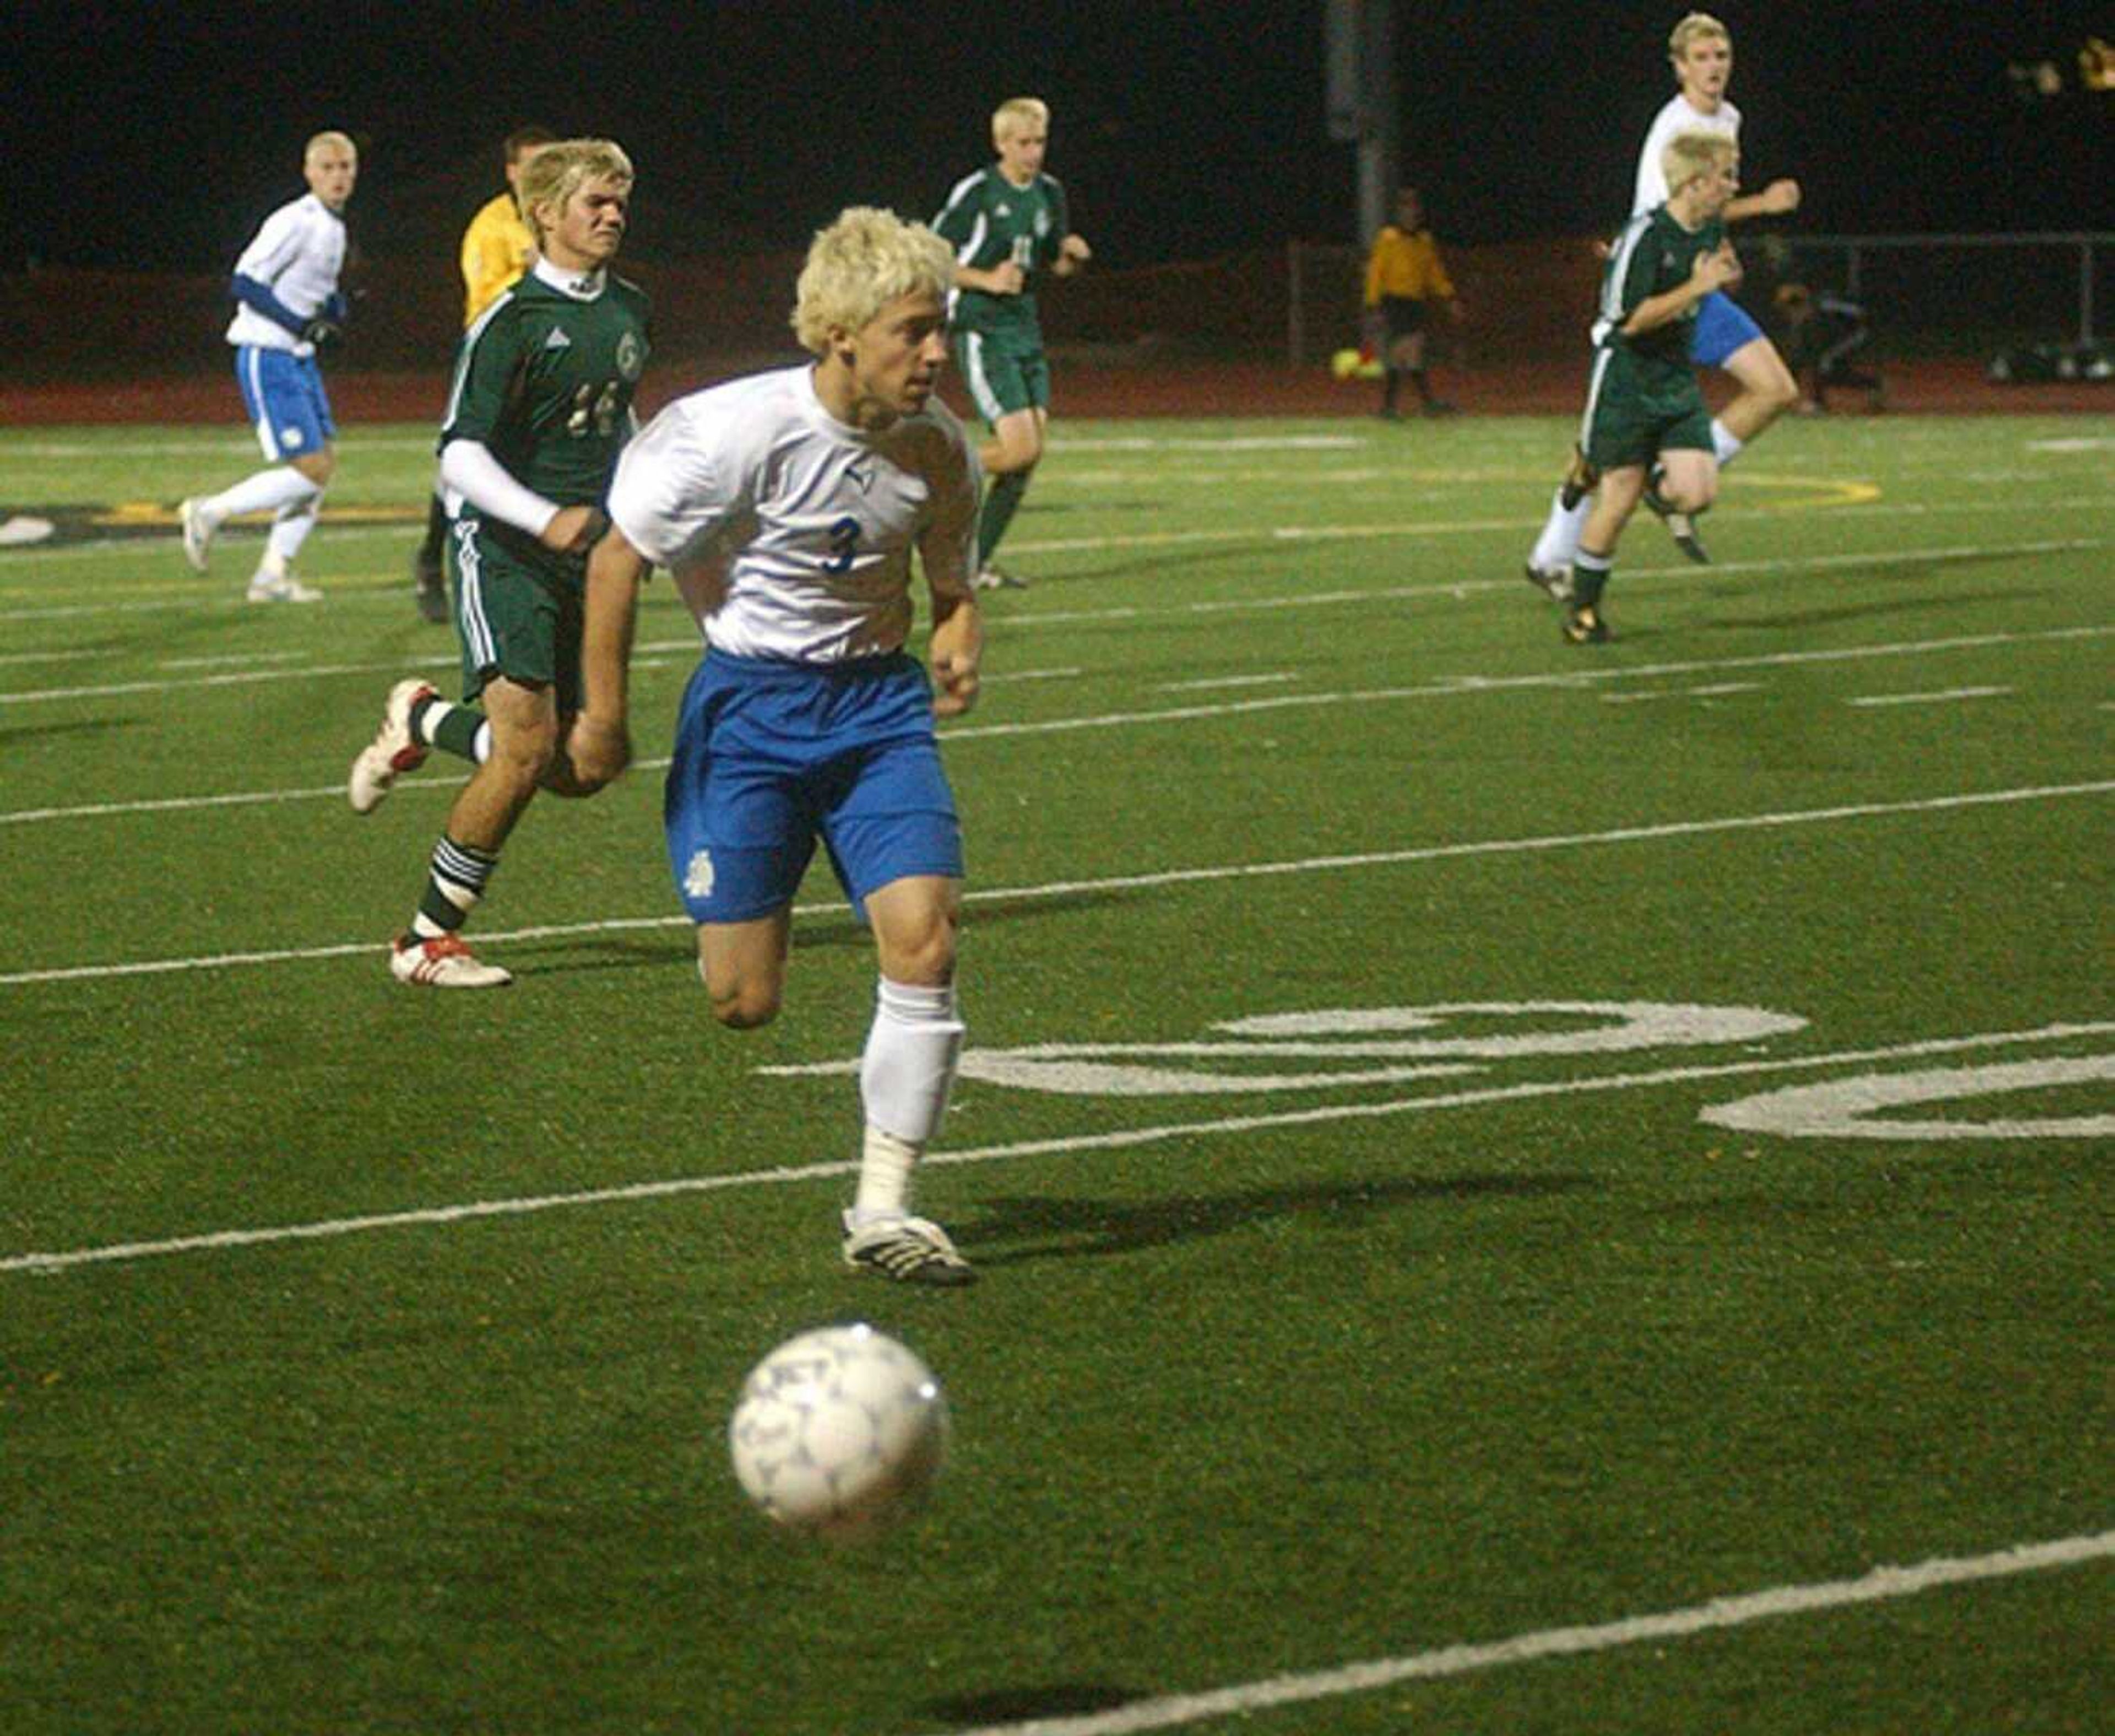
<point>840,1433</point>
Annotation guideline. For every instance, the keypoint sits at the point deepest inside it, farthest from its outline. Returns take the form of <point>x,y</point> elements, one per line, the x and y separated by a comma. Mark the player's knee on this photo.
<point>924,958</point>
<point>319,467</point>
<point>743,1006</point>
<point>525,753</point>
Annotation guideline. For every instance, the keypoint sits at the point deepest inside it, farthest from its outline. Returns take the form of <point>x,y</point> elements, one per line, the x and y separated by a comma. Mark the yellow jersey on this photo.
<point>1404,263</point>
<point>496,249</point>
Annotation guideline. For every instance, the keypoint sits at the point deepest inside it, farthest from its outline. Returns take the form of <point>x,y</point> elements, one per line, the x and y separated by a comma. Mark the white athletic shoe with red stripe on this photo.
<point>445,961</point>
<point>392,751</point>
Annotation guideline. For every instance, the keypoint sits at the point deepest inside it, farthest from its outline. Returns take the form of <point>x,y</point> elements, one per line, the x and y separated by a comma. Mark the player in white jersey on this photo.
<point>288,305</point>
<point>1701,51</point>
<point>787,504</point>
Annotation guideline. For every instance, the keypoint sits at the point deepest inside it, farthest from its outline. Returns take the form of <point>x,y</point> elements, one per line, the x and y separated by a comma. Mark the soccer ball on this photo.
<point>1345,364</point>
<point>840,1433</point>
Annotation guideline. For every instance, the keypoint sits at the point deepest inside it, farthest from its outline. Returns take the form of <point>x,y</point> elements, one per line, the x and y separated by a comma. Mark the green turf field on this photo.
<point>1511,1181</point>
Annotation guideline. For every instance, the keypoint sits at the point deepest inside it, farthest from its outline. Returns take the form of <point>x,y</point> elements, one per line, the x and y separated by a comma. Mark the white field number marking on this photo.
<point>1414,1043</point>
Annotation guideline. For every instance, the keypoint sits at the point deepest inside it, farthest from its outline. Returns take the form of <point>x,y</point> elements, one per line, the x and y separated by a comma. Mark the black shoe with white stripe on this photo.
<point>909,1250</point>
<point>1679,526</point>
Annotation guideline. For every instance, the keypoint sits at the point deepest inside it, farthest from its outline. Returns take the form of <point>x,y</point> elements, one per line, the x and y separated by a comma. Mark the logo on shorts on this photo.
<point>290,437</point>
<point>698,877</point>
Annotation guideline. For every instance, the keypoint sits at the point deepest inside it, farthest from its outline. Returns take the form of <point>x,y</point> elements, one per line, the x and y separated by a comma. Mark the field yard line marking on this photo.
<point>1879,1584</point>
<point>1448,686</point>
<point>1120,1139</point>
<point>193,594</point>
<point>1164,877</point>
<point>1941,697</point>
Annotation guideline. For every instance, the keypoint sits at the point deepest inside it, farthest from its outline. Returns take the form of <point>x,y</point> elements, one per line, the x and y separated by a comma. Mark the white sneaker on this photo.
<point>909,1250</point>
<point>199,527</point>
<point>446,962</point>
<point>997,578</point>
<point>392,751</point>
<point>265,589</point>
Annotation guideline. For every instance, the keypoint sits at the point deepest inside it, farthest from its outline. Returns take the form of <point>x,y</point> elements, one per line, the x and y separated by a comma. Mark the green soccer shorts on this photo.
<point>515,616</point>
<point>1628,424</point>
<point>1003,374</point>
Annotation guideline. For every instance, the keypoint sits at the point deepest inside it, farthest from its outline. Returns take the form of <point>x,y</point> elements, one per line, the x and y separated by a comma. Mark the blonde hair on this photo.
<point>323,141</point>
<point>1689,154</point>
<point>1694,25</point>
<point>558,170</point>
<point>860,263</point>
<point>1016,110</point>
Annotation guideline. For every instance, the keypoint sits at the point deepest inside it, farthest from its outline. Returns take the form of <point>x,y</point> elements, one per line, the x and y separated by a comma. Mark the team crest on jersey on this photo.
<point>698,877</point>
<point>630,355</point>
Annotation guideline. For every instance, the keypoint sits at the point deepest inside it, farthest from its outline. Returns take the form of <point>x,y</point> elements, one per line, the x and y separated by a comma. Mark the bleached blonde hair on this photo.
<point>1017,109</point>
<point>860,263</point>
<point>323,141</point>
<point>558,170</point>
<point>1689,154</point>
<point>1692,26</point>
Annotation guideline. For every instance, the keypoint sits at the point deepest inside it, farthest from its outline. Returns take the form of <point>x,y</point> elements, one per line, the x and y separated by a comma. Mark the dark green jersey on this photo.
<point>1653,254</point>
<point>544,381</point>
<point>989,220</point>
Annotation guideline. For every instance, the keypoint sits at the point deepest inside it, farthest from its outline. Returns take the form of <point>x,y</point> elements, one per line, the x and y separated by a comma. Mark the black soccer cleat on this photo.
<point>1579,481</point>
<point>1682,527</point>
<point>1585,625</point>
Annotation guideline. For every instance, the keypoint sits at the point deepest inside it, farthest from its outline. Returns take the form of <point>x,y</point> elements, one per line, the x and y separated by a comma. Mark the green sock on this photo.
<point>454,729</point>
<point>1001,499</point>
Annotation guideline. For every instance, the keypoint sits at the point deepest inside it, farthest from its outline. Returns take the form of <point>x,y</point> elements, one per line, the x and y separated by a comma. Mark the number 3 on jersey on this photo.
<point>844,544</point>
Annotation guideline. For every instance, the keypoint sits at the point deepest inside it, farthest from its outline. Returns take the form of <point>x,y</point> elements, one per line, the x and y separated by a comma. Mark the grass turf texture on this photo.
<point>1534,1348</point>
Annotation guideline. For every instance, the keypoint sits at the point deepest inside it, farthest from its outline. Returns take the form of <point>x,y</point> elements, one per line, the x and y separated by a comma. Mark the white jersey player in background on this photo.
<point>1701,51</point>
<point>288,305</point>
<point>787,505</point>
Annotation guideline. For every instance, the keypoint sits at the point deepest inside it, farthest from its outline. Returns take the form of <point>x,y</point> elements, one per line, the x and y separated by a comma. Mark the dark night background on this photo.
<point>157,136</point>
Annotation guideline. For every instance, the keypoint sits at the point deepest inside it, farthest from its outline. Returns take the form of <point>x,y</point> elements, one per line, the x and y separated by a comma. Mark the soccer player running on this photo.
<point>1701,51</point>
<point>540,407</point>
<point>1645,413</point>
<point>496,249</point>
<point>788,504</point>
<point>1006,223</point>
<point>288,306</point>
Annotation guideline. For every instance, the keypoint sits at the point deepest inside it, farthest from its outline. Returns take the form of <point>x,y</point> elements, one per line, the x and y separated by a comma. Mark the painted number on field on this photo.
<point>1339,1047</point>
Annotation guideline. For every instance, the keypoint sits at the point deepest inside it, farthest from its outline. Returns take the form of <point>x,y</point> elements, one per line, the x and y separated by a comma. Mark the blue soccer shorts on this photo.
<point>284,394</point>
<point>770,756</point>
<point>1723,326</point>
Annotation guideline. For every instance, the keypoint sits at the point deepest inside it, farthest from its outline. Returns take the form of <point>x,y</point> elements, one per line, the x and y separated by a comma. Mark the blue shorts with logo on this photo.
<point>771,755</point>
<point>1723,326</point>
<point>284,394</point>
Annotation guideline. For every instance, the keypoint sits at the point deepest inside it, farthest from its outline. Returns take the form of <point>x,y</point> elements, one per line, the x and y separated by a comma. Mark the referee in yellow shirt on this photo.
<point>496,251</point>
<point>1404,274</point>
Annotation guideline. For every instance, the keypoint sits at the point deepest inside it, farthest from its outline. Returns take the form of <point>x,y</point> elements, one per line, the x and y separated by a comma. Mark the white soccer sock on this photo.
<point>1724,443</point>
<point>289,530</point>
<point>1561,532</point>
<point>904,1075</point>
<point>266,491</point>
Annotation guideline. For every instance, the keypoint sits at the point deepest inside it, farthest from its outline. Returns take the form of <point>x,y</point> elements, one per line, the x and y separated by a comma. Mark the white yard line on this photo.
<point>1141,882</point>
<point>1945,695</point>
<point>1127,1138</point>
<point>1879,1586</point>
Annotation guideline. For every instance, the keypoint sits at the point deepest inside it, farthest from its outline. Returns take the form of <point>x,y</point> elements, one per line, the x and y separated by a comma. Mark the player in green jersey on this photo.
<point>1644,404</point>
<point>539,408</point>
<point>1006,223</point>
